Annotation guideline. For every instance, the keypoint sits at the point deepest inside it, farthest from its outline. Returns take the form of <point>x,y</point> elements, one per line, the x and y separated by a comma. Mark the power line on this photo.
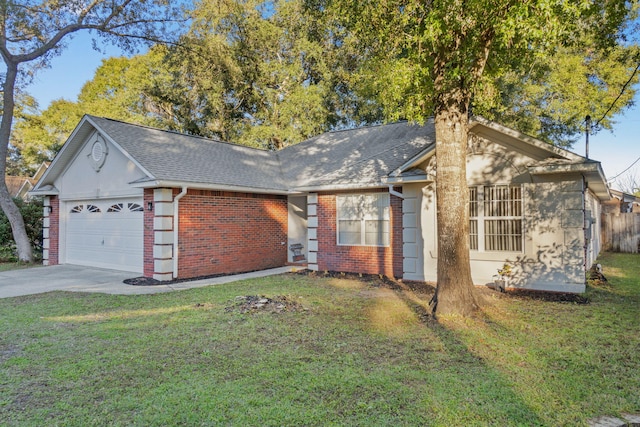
<point>619,96</point>
<point>630,166</point>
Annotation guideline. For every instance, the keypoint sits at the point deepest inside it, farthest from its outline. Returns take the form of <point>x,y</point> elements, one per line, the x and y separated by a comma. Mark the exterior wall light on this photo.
<point>149,206</point>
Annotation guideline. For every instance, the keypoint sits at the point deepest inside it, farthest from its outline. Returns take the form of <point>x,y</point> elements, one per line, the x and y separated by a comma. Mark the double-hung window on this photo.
<point>363,219</point>
<point>495,218</point>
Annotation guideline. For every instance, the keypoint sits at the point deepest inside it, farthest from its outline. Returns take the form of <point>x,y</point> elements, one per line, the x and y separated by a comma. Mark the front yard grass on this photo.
<point>358,354</point>
<point>6,266</point>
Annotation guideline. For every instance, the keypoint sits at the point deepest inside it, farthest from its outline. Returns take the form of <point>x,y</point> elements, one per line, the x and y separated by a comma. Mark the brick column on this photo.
<point>163,234</point>
<point>312,231</point>
<point>50,233</point>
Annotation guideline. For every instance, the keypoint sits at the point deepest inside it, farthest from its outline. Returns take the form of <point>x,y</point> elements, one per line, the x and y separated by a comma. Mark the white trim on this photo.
<point>342,187</point>
<point>362,219</point>
<point>176,222</point>
<point>481,121</point>
<point>212,187</point>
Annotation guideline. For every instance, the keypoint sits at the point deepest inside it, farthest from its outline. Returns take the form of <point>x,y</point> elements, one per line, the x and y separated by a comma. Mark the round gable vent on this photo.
<point>98,153</point>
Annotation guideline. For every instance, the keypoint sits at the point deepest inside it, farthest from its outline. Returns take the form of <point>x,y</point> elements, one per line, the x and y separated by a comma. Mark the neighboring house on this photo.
<point>621,202</point>
<point>19,186</point>
<point>168,205</point>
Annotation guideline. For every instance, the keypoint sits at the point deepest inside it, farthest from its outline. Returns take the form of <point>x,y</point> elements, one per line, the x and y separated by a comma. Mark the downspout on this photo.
<point>176,206</point>
<point>585,231</point>
<point>394,192</point>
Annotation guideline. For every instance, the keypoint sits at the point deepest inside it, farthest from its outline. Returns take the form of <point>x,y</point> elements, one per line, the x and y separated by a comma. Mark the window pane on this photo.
<point>376,232</point>
<point>503,235</point>
<point>363,213</point>
<point>349,233</point>
<point>473,201</point>
<point>348,207</point>
<point>473,234</point>
<point>375,206</point>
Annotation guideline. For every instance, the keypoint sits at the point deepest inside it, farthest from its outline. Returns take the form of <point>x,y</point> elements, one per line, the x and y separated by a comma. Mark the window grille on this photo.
<point>363,219</point>
<point>495,218</point>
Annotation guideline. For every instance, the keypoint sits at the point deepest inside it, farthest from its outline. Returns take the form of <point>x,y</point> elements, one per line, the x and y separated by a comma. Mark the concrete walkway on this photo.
<point>75,278</point>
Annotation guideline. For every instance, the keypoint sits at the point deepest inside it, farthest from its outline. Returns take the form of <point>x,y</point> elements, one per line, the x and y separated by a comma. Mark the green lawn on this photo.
<point>5,266</point>
<point>351,353</point>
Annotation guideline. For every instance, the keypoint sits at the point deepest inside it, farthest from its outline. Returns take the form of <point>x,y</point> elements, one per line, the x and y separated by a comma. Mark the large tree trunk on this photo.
<point>10,209</point>
<point>455,292</point>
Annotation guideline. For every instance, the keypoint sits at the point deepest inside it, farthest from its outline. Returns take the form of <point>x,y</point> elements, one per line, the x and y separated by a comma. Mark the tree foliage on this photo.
<point>32,32</point>
<point>436,58</point>
<point>31,211</point>
<point>266,74</point>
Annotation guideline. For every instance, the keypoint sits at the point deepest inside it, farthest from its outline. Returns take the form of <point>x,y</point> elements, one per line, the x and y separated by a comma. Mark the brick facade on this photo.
<point>225,232</point>
<point>148,233</point>
<point>51,232</point>
<point>357,259</point>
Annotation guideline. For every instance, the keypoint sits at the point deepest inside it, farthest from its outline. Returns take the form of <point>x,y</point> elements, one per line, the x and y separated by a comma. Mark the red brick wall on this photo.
<point>224,232</point>
<point>148,234</point>
<point>358,259</point>
<point>54,230</point>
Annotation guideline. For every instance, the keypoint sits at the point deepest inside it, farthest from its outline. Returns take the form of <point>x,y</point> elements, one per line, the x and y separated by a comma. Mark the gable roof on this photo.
<point>360,157</point>
<point>15,183</point>
<point>175,157</point>
<point>369,157</point>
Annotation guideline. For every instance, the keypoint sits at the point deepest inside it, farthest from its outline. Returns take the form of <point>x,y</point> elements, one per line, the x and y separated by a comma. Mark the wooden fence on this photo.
<point>621,232</point>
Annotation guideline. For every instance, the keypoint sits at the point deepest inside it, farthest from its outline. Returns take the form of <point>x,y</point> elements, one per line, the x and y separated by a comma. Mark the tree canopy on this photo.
<point>32,32</point>
<point>440,59</point>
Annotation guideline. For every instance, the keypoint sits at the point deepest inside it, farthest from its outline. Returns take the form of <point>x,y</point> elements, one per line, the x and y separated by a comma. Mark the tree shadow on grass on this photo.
<point>467,388</point>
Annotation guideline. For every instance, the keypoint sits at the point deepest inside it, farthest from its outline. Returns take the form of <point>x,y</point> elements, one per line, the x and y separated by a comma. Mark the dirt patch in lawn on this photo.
<point>262,304</point>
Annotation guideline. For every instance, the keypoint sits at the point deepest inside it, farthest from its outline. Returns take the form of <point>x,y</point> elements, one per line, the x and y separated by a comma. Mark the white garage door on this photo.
<point>106,233</point>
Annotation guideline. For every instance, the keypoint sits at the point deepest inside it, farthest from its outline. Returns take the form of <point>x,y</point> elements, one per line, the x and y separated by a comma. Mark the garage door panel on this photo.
<point>106,234</point>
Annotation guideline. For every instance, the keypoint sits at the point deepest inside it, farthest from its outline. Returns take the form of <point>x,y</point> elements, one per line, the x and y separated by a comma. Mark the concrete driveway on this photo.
<point>77,278</point>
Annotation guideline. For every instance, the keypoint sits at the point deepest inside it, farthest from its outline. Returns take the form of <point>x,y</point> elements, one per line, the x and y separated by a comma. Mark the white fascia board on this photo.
<point>407,179</point>
<point>122,150</point>
<point>481,121</point>
<point>340,187</point>
<point>69,145</point>
<point>419,158</point>
<point>204,186</point>
<point>49,192</point>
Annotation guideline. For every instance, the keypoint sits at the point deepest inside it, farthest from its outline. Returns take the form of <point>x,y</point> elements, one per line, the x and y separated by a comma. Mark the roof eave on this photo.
<point>481,121</point>
<point>207,186</point>
<point>416,160</point>
<point>339,187</point>
<point>591,171</point>
<point>407,179</point>
<point>52,191</point>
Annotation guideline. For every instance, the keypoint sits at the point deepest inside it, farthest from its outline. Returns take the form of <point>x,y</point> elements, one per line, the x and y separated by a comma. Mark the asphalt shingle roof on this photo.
<point>360,156</point>
<point>173,156</point>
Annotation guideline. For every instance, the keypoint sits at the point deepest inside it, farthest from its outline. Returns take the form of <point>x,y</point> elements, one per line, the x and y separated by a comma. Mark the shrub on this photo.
<point>32,213</point>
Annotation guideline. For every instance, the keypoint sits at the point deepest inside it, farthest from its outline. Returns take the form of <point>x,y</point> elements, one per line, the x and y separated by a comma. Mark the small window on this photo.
<point>85,209</point>
<point>129,207</point>
<point>116,208</point>
<point>495,218</point>
<point>363,219</point>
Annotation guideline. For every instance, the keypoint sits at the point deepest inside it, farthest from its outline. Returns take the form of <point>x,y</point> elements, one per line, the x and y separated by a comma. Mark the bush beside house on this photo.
<point>32,213</point>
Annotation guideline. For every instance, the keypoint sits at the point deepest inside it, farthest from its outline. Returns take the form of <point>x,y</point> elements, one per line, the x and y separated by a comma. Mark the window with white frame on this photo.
<point>363,219</point>
<point>495,218</point>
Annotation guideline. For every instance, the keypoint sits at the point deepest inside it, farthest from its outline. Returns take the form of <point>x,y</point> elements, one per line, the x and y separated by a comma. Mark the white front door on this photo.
<point>106,233</point>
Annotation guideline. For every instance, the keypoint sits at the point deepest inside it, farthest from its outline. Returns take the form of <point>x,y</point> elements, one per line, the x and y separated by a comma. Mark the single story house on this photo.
<point>168,205</point>
<point>621,202</point>
<point>19,186</point>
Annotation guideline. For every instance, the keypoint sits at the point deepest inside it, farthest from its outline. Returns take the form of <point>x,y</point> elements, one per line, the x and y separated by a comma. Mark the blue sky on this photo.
<point>616,149</point>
